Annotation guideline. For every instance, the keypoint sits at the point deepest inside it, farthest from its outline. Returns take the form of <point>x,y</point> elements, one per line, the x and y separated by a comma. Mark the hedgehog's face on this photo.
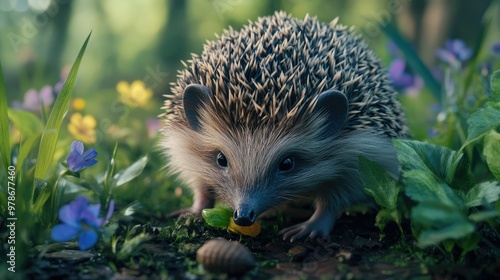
<point>255,169</point>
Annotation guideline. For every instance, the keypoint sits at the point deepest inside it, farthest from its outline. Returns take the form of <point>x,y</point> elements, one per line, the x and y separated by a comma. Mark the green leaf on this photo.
<point>448,245</point>
<point>26,122</point>
<point>378,183</point>
<point>468,243</point>
<point>128,174</point>
<point>495,87</point>
<point>413,59</point>
<point>454,231</point>
<point>24,150</point>
<point>482,194</point>
<point>481,122</point>
<point>484,215</point>
<point>4,124</point>
<point>385,216</point>
<point>423,186</point>
<point>440,222</point>
<point>217,217</point>
<point>132,245</point>
<point>449,166</point>
<point>51,132</point>
<point>42,194</point>
<point>491,152</point>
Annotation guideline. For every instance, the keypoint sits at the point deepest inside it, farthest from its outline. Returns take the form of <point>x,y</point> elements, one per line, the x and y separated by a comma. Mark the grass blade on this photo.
<point>414,60</point>
<point>483,32</point>
<point>26,122</point>
<point>51,133</point>
<point>4,124</point>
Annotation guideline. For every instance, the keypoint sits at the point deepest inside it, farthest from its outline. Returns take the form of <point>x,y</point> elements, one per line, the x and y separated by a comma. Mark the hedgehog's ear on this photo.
<point>334,105</point>
<point>194,97</point>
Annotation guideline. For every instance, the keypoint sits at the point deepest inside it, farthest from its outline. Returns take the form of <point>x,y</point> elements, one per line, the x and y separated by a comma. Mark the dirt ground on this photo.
<point>353,251</point>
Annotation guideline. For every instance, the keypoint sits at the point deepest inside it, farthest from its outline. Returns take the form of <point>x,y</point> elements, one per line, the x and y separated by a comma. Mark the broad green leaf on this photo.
<point>4,124</point>
<point>495,87</point>
<point>217,217</point>
<point>51,132</point>
<point>483,193</point>
<point>440,222</point>
<point>423,186</point>
<point>491,152</point>
<point>454,231</point>
<point>26,122</point>
<point>378,183</point>
<point>42,194</point>
<point>481,122</point>
<point>413,59</point>
<point>128,174</point>
<point>449,166</point>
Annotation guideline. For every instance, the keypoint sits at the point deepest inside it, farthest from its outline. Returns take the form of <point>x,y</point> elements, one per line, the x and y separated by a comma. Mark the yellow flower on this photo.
<point>135,94</point>
<point>83,128</point>
<point>78,104</point>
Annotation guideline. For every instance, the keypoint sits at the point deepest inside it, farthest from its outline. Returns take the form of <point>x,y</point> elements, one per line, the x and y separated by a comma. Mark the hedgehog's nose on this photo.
<point>244,215</point>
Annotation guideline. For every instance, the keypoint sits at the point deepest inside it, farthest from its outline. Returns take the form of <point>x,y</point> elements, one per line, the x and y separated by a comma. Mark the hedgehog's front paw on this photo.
<point>320,224</point>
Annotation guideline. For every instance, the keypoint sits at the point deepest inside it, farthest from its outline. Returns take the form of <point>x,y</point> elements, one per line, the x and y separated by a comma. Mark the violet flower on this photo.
<point>402,79</point>
<point>81,219</point>
<point>33,100</point>
<point>454,53</point>
<point>78,159</point>
<point>495,49</point>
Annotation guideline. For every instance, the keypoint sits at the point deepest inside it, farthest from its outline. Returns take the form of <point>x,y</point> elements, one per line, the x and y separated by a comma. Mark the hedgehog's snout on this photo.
<point>244,215</point>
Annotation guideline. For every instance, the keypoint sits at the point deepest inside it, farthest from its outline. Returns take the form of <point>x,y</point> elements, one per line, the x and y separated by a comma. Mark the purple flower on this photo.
<point>153,125</point>
<point>79,159</point>
<point>34,100</point>
<point>402,79</point>
<point>495,49</point>
<point>393,49</point>
<point>80,219</point>
<point>454,53</point>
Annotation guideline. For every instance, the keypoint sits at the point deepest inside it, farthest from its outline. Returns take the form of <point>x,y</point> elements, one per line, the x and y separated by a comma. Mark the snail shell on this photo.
<point>222,256</point>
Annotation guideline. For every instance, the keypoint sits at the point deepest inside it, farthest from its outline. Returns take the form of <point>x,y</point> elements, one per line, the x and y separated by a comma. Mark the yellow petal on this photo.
<point>122,87</point>
<point>75,118</point>
<point>138,84</point>
<point>252,230</point>
<point>89,121</point>
<point>78,104</point>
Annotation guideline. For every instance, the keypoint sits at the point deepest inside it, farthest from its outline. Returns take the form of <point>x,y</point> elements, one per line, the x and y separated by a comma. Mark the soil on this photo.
<point>353,251</point>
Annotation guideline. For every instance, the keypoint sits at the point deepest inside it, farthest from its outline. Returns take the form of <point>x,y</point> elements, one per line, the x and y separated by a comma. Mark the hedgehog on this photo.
<point>280,111</point>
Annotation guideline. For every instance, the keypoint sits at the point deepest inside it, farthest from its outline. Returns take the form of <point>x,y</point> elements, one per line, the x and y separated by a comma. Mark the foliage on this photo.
<point>449,187</point>
<point>44,172</point>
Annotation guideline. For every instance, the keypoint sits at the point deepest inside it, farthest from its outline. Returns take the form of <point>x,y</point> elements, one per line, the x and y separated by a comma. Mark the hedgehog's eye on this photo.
<point>286,164</point>
<point>221,160</point>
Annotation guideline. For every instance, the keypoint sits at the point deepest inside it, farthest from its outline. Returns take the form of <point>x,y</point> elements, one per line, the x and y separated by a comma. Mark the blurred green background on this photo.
<point>132,39</point>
